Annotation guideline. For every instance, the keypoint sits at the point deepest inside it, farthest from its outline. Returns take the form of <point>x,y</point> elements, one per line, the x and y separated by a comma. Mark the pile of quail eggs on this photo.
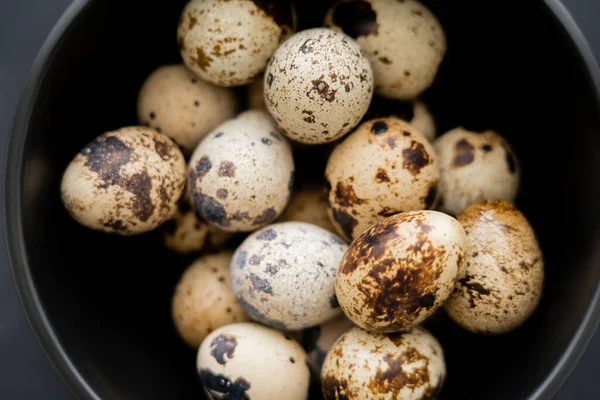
<point>333,279</point>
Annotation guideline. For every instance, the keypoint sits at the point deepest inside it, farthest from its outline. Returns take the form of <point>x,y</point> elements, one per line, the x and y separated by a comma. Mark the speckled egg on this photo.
<point>284,275</point>
<point>475,167</point>
<point>375,366</point>
<point>318,86</point>
<point>242,173</point>
<point>250,361</point>
<point>308,205</point>
<point>504,270</point>
<point>126,181</point>
<point>228,42</point>
<point>401,270</point>
<point>415,112</point>
<point>176,103</point>
<point>383,168</point>
<point>318,340</point>
<point>403,40</point>
<point>185,233</point>
<point>255,94</point>
<point>203,300</point>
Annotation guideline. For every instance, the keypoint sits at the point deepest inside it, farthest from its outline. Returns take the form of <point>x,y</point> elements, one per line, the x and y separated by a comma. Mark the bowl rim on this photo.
<point>17,254</point>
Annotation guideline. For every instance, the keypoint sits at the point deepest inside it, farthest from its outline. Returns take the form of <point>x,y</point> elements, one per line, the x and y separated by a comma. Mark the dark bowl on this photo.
<point>100,304</point>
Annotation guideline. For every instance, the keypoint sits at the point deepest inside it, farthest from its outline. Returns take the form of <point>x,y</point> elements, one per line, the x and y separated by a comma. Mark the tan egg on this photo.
<point>383,168</point>
<point>403,40</point>
<point>284,275</point>
<point>308,205</point>
<point>504,270</point>
<point>415,112</point>
<point>318,86</point>
<point>126,181</point>
<point>185,233</point>
<point>401,270</point>
<point>318,340</point>
<point>203,300</point>
<point>250,361</point>
<point>475,167</point>
<point>176,103</point>
<point>242,173</point>
<point>255,93</point>
<point>375,366</point>
<point>228,42</point>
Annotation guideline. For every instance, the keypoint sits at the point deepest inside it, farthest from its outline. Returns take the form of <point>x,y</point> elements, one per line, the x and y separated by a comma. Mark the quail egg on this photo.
<point>415,112</point>
<point>318,340</point>
<point>308,205</point>
<point>185,233</point>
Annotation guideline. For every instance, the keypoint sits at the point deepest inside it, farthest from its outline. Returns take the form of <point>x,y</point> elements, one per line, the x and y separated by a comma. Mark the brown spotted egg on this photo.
<point>241,173</point>
<point>203,300</point>
<point>308,205</point>
<point>375,366</point>
<point>503,270</point>
<point>318,340</point>
<point>403,40</point>
<point>228,42</point>
<point>284,275</point>
<point>318,86</point>
<point>475,167</point>
<point>401,270</point>
<point>176,103</point>
<point>415,112</point>
<point>250,361</point>
<point>126,181</point>
<point>383,168</point>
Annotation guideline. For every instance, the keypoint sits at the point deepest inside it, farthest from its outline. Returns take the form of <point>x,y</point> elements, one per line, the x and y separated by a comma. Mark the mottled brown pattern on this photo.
<point>227,169</point>
<point>381,176</point>
<point>415,158</point>
<point>347,222</point>
<point>465,153</point>
<point>223,345</point>
<point>334,389</point>
<point>395,378</point>
<point>201,59</point>
<point>345,195</point>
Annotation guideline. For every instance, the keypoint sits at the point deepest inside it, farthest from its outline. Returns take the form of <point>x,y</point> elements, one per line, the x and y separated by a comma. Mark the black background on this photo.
<point>25,372</point>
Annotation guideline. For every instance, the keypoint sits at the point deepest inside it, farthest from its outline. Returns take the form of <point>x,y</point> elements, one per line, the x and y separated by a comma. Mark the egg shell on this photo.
<point>375,366</point>
<point>174,102</point>
<point>504,270</point>
<point>308,205</point>
<point>475,167</point>
<point>126,181</point>
<point>403,40</point>
<point>228,42</point>
<point>318,340</point>
<point>415,112</point>
<point>203,300</point>
<point>255,93</point>
<point>284,275</point>
<point>318,86</point>
<point>185,233</point>
<point>401,270</point>
<point>242,173</point>
<point>249,361</point>
<point>383,168</point>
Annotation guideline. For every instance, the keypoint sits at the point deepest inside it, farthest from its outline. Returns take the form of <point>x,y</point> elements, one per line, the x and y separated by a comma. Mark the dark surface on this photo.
<point>26,373</point>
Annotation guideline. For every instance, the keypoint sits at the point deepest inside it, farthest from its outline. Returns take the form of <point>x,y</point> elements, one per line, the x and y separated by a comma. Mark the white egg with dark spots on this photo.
<point>284,275</point>
<point>403,40</point>
<point>318,86</point>
<point>126,181</point>
<point>250,361</point>
<point>318,340</point>
<point>241,174</point>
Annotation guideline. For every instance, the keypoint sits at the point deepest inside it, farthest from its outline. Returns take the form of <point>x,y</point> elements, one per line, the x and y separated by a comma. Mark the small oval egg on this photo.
<point>475,167</point>
<point>318,340</point>
<point>284,275</point>
<point>126,181</point>
<point>415,112</point>
<point>242,173</point>
<point>308,205</point>
<point>255,94</point>
<point>400,270</point>
<point>375,366</point>
<point>383,168</point>
<point>185,233</point>
<point>203,300</point>
<point>403,40</point>
<point>503,270</point>
<point>228,42</point>
<point>174,102</point>
<point>318,86</point>
<point>249,361</point>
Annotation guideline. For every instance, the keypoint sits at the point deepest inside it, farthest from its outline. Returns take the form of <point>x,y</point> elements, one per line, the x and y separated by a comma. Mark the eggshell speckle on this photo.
<point>318,86</point>
<point>308,205</point>
<point>176,103</point>
<point>228,42</point>
<point>401,270</point>
<point>475,167</point>
<point>241,174</point>
<point>126,181</point>
<point>383,168</point>
<point>318,340</point>
<point>504,270</point>
<point>367,365</point>
<point>284,275</point>
<point>403,40</point>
